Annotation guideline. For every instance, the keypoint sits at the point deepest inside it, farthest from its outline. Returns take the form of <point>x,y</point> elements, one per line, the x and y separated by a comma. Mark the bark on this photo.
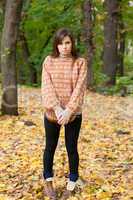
<point>8,56</point>
<point>88,37</point>
<point>121,45</point>
<point>110,56</point>
<point>2,7</point>
<point>0,52</point>
<point>26,56</point>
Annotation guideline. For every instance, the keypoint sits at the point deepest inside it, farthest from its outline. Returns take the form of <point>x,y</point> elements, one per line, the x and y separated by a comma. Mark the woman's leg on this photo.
<point>52,131</point>
<point>72,130</point>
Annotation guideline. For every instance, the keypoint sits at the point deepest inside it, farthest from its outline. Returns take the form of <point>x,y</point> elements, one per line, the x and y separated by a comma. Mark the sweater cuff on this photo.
<point>56,106</point>
<point>69,109</point>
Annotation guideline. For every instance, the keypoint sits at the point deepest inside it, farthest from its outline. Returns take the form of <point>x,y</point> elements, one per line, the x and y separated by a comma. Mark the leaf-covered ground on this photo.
<point>105,149</point>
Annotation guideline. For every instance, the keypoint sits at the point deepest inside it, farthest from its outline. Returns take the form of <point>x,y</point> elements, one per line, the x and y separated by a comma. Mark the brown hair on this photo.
<point>57,39</point>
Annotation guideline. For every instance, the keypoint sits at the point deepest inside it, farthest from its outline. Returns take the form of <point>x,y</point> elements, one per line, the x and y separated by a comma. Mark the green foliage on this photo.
<point>129,62</point>
<point>123,85</point>
<point>42,18</point>
<point>127,82</point>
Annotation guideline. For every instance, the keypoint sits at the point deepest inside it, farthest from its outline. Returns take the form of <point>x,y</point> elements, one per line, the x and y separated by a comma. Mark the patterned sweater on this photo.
<point>63,83</point>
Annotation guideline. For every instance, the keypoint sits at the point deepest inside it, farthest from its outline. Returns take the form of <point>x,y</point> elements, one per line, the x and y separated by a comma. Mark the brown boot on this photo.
<point>66,194</point>
<point>49,190</point>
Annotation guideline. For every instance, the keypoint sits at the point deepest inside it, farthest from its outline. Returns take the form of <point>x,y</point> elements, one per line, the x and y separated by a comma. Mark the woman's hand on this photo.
<point>58,111</point>
<point>65,116</point>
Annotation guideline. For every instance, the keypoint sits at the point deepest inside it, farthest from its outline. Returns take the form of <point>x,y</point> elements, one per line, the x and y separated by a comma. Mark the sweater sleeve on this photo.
<point>77,96</point>
<point>49,98</point>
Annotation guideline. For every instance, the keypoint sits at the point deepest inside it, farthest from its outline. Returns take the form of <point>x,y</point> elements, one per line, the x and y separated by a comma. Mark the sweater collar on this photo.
<point>61,56</point>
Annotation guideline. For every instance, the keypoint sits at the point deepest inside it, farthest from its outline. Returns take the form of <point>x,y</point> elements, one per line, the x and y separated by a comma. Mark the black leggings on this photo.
<point>52,132</point>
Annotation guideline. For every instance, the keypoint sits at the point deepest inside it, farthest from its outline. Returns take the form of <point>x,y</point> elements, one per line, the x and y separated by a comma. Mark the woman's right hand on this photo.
<point>66,114</point>
<point>58,111</point>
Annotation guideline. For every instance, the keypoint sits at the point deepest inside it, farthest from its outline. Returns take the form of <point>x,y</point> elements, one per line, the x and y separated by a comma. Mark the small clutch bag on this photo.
<point>50,114</point>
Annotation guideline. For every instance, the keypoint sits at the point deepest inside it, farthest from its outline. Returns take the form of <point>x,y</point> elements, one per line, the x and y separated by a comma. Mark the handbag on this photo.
<point>50,115</point>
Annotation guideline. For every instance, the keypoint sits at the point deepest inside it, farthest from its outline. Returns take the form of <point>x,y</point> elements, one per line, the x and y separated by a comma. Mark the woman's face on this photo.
<point>66,46</point>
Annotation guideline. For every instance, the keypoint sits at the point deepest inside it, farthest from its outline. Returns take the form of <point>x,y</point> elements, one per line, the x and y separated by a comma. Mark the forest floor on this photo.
<point>105,149</point>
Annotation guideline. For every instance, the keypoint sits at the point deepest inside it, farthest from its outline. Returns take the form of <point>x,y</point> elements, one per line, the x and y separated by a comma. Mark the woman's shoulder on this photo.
<point>48,58</point>
<point>81,60</point>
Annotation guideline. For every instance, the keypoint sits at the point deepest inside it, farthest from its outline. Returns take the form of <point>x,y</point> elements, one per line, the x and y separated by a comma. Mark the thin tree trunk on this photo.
<point>88,38</point>
<point>26,56</point>
<point>110,56</point>
<point>2,7</point>
<point>0,51</point>
<point>8,58</point>
<point>121,45</point>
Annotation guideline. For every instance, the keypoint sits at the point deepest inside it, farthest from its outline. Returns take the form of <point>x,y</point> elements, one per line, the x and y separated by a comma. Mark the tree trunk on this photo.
<point>110,56</point>
<point>88,37</point>
<point>0,52</point>
<point>8,56</point>
<point>2,7</point>
<point>26,56</point>
<point>121,45</point>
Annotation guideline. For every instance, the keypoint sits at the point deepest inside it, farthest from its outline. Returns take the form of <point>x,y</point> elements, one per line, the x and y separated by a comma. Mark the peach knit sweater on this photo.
<point>63,83</point>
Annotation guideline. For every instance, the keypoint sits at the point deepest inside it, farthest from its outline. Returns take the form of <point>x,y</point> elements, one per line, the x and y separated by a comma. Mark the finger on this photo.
<point>60,118</point>
<point>61,121</point>
<point>60,115</point>
<point>64,121</point>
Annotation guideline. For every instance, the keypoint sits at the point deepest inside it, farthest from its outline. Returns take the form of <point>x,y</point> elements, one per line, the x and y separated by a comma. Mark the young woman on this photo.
<point>64,78</point>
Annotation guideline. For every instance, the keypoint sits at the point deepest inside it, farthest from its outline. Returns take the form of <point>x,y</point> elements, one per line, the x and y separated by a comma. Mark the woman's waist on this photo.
<point>51,112</point>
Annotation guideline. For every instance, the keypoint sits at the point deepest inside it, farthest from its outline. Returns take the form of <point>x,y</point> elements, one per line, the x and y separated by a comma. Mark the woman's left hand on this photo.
<point>65,116</point>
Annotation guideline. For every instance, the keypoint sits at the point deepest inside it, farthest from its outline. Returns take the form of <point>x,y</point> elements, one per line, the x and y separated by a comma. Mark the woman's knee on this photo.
<point>50,147</point>
<point>71,150</point>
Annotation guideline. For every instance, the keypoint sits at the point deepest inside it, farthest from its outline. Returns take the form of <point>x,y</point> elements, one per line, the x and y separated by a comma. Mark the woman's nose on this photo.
<point>64,45</point>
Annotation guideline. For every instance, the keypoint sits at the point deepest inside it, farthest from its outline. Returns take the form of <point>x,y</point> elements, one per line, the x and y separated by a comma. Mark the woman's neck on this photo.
<point>65,55</point>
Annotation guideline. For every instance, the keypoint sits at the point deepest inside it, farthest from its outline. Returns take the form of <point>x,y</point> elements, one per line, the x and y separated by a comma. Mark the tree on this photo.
<point>2,9</point>
<point>110,56</point>
<point>8,56</point>
<point>26,55</point>
<point>88,37</point>
<point>121,43</point>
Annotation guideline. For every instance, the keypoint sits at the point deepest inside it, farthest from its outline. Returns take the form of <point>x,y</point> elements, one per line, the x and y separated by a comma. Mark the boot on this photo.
<point>49,190</point>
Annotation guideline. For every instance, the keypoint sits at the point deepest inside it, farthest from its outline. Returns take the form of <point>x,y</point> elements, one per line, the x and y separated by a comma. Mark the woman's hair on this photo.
<point>57,39</point>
